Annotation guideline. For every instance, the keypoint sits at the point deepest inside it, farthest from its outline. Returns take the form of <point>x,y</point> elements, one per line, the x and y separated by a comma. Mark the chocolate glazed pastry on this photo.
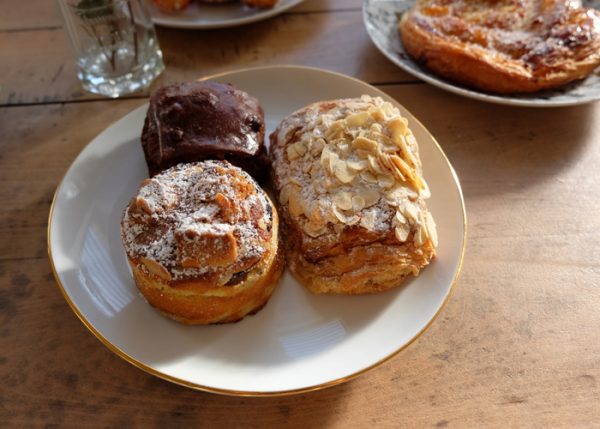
<point>195,121</point>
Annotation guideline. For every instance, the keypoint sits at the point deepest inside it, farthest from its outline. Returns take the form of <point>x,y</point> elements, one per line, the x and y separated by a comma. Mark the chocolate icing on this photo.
<point>194,121</point>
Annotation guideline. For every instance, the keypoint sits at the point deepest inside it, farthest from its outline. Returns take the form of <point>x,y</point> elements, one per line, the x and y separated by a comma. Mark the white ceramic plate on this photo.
<point>205,16</point>
<point>381,19</point>
<point>299,341</point>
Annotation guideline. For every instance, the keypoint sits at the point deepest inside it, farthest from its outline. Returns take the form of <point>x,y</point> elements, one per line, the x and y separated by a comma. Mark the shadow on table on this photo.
<point>318,409</point>
<point>500,149</point>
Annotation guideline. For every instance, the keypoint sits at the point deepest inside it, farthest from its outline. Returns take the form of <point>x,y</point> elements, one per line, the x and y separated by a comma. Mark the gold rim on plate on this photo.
<point>321,386</point>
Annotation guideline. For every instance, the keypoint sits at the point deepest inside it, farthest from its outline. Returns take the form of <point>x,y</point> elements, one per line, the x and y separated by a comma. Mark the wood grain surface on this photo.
<point>336,41</point>
<point>517,346</point>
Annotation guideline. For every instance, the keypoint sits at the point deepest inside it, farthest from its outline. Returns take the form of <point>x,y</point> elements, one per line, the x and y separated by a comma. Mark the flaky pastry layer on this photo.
<point>200,304</point>
<point>507,46</point>
<point>349,182</point>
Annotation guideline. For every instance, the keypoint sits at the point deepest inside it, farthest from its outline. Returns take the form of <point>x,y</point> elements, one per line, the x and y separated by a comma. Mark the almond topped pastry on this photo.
<point>202,241</point>
<point>504,46</point>
<point>352,196</point>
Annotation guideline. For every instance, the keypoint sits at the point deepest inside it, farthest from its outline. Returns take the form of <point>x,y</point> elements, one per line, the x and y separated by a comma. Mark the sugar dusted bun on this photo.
<point>202,241</point>
<point>352,196</point>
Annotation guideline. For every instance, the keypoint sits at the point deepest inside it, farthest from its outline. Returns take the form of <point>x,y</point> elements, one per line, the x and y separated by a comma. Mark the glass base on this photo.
<point>116,86</point>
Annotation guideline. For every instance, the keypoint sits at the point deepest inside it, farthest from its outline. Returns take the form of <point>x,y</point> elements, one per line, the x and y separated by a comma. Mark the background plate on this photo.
<point>381,19</point>
<point>299,341</point>
<point>205,16</point>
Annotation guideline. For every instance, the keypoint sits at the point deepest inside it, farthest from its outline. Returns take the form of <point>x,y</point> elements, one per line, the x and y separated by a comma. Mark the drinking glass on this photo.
<point>114,43</point>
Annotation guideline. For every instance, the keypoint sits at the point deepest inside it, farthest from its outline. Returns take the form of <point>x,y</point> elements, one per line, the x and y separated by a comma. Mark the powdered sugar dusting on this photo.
<point>193,203</point>
<point>350,163</point>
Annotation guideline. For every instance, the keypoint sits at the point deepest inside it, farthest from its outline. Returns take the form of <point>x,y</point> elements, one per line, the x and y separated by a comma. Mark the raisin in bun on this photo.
<point>352,196</point>
<point>194,121</point>
<point>202,241</point>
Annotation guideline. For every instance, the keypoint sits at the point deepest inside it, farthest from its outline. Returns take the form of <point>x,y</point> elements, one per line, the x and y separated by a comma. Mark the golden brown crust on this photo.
<point>212,305</point>
<point>202,240</point>
<point>351,193</point>
<point>509,47</point>
<point>360,270</point>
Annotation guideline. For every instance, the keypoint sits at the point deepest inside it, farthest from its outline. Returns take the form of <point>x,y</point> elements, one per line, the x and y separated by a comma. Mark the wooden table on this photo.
<point>517,346</point>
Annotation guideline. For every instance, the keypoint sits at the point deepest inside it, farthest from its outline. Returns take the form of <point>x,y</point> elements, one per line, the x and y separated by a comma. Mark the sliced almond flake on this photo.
<point>432,228</point>
<point>315,215</point>
<point>410,174</point>
<point>377,114</point>
<point>375,166</point>
<point>420,236</point>
<point>398,174</point>
<point>401,233</point>
<point>343,174</point>
<point>316,146</point>
<point>410,211</point>
<point>397,127</point>
<point>368,177</point>
<point>347,220</point>
<point>327,210</point>
<point>357,166</point>
<point>396,193</point>
<point>365,144</point>
<point>399,218</point>
<point>294,204</point>
<point>370,196</point>
<point>361,119</point>
<point>314,230</point>
<point>343,200</point>
<point>358,203</point>
<point>380,137</point>
<point>422,222</point>
<point>334,158</point>
<point>385,181</point>
<point>300,148</point>
<point>406,152</point>
<point>335,131</point>
<point>367,220</point>
<point>156,269</point>
<point>338,215</point>
<point>424,192</point>
<point>292,154</point>
<point>325,155</point>
<point>384,161</point>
